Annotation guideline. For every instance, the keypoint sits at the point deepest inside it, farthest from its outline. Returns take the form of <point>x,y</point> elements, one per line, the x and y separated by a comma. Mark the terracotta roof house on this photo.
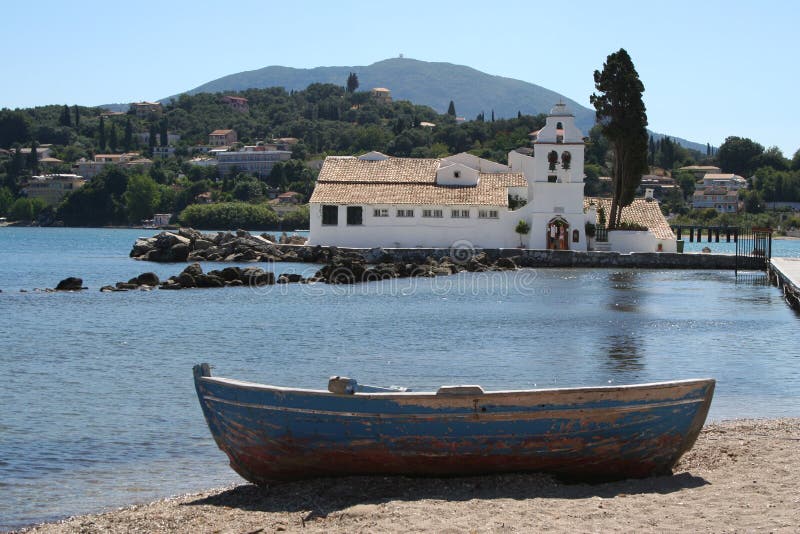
<point>222,137</point>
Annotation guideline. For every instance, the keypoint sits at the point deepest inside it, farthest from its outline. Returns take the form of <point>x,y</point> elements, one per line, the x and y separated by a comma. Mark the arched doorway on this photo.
<point>558,234</point>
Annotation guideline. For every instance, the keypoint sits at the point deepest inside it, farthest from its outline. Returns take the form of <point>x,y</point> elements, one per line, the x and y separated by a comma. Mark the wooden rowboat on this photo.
<point>274,433</point>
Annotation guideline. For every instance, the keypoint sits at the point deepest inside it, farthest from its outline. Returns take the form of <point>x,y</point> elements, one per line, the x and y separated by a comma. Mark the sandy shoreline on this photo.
<point>740,476</point>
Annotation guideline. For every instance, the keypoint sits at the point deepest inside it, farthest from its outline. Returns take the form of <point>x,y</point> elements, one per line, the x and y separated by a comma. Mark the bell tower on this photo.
<point>558,148</point>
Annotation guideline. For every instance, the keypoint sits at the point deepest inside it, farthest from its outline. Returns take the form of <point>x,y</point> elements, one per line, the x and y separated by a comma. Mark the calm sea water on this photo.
<point>98,407</point>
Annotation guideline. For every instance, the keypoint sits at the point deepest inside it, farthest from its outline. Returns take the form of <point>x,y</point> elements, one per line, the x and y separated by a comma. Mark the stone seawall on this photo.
<point>187,245</point>
<point>549,258</point>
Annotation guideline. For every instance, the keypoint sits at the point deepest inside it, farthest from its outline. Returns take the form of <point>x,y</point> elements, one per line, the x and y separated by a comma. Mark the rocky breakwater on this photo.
<point>193,276</point>
<point>351,268</point>
<point>241,246</point>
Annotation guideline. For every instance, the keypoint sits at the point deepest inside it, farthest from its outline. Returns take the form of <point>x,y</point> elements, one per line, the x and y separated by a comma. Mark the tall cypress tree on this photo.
<point>102,135</point>
<point>151,140</point>
<point>127,143</point>
<point>66,117</point>
<point>623,119</point>
<point>77,117</point>
<point>163,132</point>
<point>451,109</point>
<point>112,137</point>
<point>33,158</point>
<point>352,82</point>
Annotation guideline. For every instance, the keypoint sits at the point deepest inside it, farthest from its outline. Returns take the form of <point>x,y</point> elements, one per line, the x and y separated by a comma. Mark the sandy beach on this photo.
<point>741,476</point>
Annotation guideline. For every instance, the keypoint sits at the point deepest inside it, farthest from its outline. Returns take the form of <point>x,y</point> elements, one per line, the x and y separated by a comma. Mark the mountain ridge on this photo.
<point>433,84</point>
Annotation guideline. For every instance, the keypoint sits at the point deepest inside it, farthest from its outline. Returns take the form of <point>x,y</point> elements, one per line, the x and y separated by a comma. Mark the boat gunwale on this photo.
<point>255,386</point>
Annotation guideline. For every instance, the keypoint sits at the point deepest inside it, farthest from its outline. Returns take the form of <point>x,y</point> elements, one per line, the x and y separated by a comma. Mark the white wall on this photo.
<point>625,241</point>
<point>417,231</point>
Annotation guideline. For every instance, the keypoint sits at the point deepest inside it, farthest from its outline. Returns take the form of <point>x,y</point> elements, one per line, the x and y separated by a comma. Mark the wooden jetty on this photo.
<point>785,273</point>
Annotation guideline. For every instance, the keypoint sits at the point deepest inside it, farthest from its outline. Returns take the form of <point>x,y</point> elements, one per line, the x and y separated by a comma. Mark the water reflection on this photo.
<point>624,352</point>
<point>625,293</point>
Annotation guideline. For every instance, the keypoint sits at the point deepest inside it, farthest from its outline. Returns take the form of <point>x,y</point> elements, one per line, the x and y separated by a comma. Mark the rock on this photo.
<point>126,286</point>
<point>207,280</point>
<point>186,280</point>
<point>189,233</point>
<point>179,252</point>
<point>107,289</point>
<point>290,278</point>
<point>254,276</point>
<point>70,284</point>
<point>268,237</point>
<point>506,264</point>
<point>146,279</point>
<point>231,273</point>
<point>167,240</point>
<point>142,246</point>
<point>193,270</point>
<point>234,283</point>
<point>202,244</point>
<point>171,284</point>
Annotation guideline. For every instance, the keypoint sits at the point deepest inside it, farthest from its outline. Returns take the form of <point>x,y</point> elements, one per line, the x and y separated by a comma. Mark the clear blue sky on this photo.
<point>711,68</point>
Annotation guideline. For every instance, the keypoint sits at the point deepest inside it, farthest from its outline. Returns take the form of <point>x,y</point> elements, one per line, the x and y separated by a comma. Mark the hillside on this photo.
<point>421,82</point>
<point>424,83</point>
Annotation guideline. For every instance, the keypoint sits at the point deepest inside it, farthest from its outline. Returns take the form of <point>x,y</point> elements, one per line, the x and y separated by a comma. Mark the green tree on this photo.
<point>141,197</point>
<point>151,140</point>
<point>33,158</point>
<point>127,141</point>
<point>112,137</point>
<point>101,140</point>
<point>451,109</point>
<point>623,119</point>
<point>522,228</point>
<point>77,117</point>
<point>229,216</point>
<point>163,132</point>
<point>6,201</point>
<point>352,83</point>
<point>739,155</point>
<point>796,161</point>
<point>15,127</point>
<point>772,157</point>
<point>687,183</point>
<point>66,118</point>
<point>26,209</point>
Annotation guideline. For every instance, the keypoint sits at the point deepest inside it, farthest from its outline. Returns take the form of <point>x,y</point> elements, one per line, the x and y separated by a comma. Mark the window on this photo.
<point>330,215</point>
<point>378,212</point>
<point>432,214</point>
<point>459,214</point>
<point>456,174</point>
<point>405,213</point>
<point>354,215</point>
<point>552,178</point>
<point>487,214</point>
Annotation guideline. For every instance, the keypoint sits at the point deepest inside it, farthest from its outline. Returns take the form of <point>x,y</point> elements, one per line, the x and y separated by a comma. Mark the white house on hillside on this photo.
<point>379,201</point>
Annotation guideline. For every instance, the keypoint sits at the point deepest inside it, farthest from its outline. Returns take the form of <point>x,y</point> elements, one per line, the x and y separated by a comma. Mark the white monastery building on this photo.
<point>379,201</point>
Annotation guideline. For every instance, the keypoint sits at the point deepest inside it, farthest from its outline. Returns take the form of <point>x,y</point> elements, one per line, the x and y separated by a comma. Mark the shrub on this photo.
<point>229,216</point>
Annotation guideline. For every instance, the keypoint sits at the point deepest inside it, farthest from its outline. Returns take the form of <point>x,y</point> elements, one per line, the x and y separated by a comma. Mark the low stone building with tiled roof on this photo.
<point>645,213</point>
<point>375,200</point>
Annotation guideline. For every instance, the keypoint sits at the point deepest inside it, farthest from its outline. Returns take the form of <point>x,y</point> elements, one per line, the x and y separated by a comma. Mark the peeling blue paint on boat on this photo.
<point>272,433</point>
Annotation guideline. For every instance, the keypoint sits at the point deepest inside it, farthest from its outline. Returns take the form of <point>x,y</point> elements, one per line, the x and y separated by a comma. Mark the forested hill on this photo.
<point>424,83</point>
<point>421,82</point>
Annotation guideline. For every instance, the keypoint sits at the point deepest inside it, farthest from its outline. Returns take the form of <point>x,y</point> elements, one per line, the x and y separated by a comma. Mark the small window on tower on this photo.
<point>552,178</point>
<point>456,174</point>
